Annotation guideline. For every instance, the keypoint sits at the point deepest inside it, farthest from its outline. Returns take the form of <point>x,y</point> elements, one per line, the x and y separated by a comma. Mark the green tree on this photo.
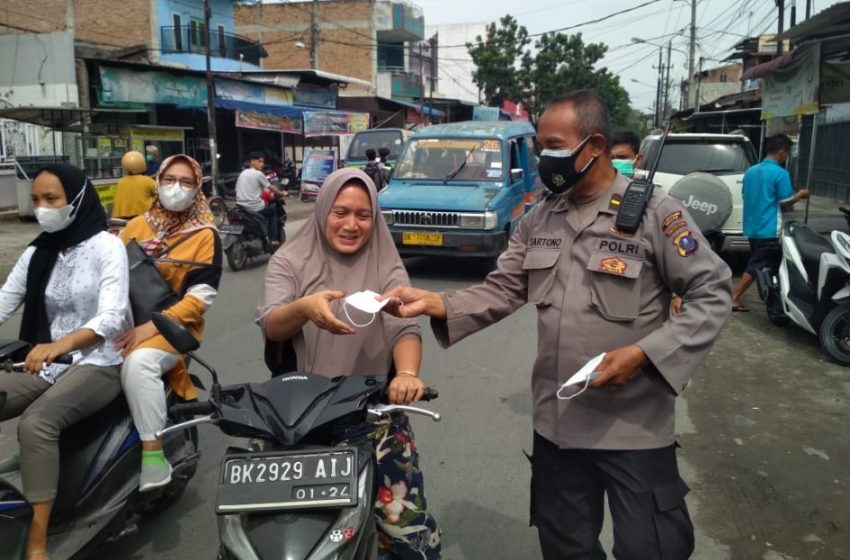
<point>497,58</point>
<point>562,63</point>
<point>558,63</point>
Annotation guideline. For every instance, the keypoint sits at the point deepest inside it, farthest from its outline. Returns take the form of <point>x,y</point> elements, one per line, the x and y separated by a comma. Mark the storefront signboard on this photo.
<point>266,121</point>
<point>310,95</point>
<point>317,123</point>
<point>318,164</point>
<point>252,93</point>
<point>122,85</point>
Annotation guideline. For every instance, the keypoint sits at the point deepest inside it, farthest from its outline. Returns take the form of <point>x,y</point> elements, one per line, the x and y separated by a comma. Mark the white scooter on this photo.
<point>812,287</point>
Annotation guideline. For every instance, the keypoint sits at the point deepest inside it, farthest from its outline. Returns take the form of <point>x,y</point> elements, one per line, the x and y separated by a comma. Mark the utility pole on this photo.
<point>433,42</point>
<point>692,54</point>
<point>422,92</point>
<point>667,82</point>
<point>314,36</point>
<point>699,82</point>
<point>210,100</point>
<point>808,9</point>
<point>779,42</point>
<point>658,96</point>
<point>793,14</point>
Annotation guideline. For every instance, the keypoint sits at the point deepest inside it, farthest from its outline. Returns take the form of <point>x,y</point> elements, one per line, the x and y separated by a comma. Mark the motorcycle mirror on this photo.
<point>175,333</point>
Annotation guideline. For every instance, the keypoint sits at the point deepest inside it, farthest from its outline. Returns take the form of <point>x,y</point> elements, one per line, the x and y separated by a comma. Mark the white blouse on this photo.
<point>88,289</point>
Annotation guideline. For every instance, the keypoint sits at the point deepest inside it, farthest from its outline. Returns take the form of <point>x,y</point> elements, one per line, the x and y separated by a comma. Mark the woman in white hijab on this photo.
<point>347,248</point>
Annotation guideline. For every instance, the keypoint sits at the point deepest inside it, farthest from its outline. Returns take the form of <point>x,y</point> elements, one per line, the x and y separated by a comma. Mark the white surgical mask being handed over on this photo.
<point>174,196</point>
<point>56,219</point>
<point>363,301</point>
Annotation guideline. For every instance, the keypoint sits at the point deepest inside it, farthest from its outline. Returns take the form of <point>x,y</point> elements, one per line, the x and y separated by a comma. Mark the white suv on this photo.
<point>706,173</point>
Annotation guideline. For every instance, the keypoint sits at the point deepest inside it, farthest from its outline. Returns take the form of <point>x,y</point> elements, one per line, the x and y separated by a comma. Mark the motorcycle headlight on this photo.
<point>389,216</point>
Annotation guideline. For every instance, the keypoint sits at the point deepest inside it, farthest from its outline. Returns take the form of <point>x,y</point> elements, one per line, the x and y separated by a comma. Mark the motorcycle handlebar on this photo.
<point>200,408</point>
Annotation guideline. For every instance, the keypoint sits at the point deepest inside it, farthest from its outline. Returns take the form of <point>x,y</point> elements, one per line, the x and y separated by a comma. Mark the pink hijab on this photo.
<point>307,264</point>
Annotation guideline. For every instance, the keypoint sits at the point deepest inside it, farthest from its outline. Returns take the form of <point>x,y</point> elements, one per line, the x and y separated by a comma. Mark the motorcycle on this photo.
<point>245,233</point>
<point>811,287</point>
<point>246,237</point>
<point>98,498</point>
<point>290,177</point>
<point>306,495</point>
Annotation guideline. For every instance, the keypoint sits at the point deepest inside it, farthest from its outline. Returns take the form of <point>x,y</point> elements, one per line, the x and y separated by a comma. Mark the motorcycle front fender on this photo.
<point>304,535</point>
<point>841,295</point>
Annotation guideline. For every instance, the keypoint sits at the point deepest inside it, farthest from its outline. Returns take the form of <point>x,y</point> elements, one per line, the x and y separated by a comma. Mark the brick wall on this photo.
<point>120,24</point>
<point>346,35</point>
<point>32,16</point>
<point>106,22</point>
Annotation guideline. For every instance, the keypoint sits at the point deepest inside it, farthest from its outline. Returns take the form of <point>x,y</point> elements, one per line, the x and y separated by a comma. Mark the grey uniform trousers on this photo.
<point>46,410</point>
<point>646,497</point>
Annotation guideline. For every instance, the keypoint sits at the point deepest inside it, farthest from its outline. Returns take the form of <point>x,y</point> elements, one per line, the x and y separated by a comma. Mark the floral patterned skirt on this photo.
<point>406,531</point>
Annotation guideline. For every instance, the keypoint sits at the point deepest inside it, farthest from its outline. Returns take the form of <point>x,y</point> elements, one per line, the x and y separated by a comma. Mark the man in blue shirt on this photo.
<point>767,187</point>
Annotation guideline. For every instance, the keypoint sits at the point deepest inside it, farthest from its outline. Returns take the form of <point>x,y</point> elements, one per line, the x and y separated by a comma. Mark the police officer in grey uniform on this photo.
<point>598,289</point>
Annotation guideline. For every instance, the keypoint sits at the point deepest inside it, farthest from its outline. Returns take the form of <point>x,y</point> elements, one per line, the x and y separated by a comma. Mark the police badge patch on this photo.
<point>613,265</point>
<point>686,243</point>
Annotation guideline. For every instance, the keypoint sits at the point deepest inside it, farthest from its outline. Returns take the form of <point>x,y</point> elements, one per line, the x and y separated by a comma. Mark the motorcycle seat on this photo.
<point>811,246</point>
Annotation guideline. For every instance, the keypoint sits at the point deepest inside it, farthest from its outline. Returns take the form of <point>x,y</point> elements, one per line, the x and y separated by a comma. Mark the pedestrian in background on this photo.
<point>136,191</point>
<point>373,169</point>
<point>625,152</point>
<point>153,159</point>
<point>767,188</point>
<point>598,290</point>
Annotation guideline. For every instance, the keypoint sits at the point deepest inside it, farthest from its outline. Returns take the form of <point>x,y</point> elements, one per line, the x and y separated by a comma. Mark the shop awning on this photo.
<point>423,108</point>
<point>66,119</point>
<point>290,111</point>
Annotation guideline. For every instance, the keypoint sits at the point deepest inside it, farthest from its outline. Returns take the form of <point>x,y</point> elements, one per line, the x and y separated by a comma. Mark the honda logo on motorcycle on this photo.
<point>294,378</point>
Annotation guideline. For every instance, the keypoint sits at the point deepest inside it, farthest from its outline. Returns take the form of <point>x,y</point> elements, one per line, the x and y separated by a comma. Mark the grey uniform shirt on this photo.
<point>249,186</point>
<point>597,289</point>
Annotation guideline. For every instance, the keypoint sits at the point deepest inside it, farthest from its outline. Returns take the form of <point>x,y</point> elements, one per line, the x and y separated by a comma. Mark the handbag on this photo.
<point>149,290</point>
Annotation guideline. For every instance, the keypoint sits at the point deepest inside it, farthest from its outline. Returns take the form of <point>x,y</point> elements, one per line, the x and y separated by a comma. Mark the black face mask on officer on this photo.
<point>558,168</point>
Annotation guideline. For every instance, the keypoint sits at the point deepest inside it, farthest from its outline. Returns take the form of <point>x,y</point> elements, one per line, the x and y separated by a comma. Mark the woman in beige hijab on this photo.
<point>344,249</point>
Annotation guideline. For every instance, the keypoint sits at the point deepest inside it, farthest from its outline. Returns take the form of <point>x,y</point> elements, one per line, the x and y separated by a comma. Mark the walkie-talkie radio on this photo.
<point>638,194</point>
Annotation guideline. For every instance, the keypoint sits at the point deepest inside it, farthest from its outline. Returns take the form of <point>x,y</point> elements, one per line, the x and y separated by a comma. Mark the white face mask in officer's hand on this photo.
<point>580,381</point>
<point>363,301</point>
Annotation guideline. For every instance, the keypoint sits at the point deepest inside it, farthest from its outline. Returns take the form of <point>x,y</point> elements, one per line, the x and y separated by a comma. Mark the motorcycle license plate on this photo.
<point>283,480</point>
<point>233,230</point>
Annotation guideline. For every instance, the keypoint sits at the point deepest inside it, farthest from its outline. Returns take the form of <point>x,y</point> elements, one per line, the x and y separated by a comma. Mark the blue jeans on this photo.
<point>272,216</point>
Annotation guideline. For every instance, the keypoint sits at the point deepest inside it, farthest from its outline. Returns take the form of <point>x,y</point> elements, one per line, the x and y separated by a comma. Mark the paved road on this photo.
<point>762,430</point>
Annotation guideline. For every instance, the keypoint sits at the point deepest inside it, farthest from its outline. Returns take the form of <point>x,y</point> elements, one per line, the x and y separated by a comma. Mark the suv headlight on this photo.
<point>389,216</point>
<point>479,220</point>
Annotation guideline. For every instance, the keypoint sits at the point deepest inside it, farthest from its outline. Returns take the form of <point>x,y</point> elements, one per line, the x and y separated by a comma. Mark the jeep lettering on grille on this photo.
<point>705,207</point>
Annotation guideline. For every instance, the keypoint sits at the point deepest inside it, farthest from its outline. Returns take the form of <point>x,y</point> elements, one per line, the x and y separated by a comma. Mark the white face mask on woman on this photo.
<point>56,219</point>
<point>174,197</point>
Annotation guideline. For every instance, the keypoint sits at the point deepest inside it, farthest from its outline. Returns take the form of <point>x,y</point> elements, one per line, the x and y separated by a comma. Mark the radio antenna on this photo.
<point>654,166</point>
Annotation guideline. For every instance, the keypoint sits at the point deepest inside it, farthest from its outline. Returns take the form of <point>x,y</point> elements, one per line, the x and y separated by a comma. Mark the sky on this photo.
<point>720,25</point>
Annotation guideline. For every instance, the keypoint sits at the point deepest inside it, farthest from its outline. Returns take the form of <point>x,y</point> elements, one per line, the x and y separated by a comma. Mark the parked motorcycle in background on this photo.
<point>811,288</point>
<point>296,492</point>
